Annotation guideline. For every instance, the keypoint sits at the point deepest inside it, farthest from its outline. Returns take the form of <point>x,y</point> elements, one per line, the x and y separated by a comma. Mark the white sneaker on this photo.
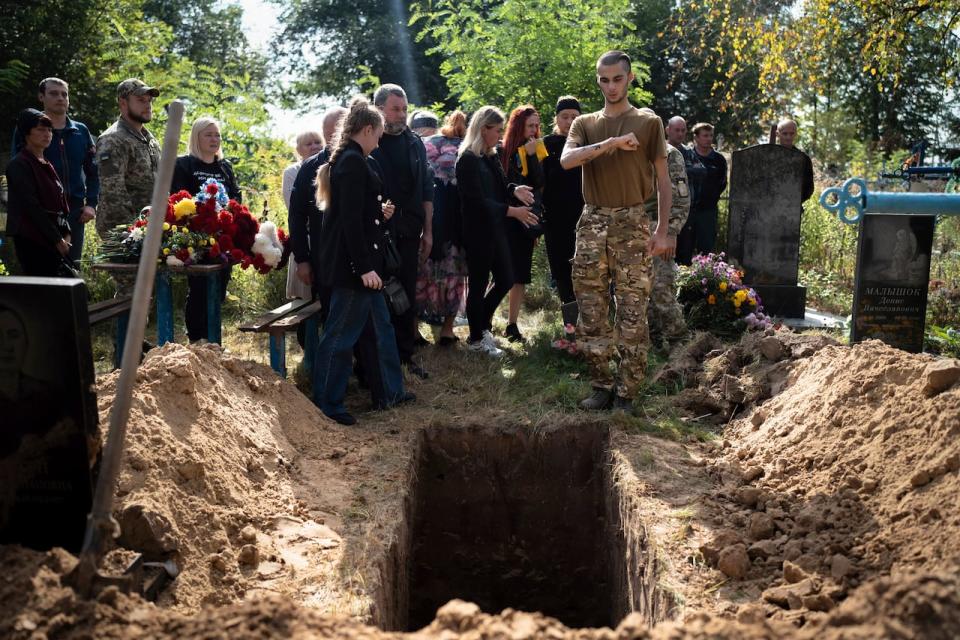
<point>486,345</point>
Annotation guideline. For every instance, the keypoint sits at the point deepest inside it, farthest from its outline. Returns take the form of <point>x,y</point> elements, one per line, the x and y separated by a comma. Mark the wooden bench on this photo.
<point>118,308</point>
<point>282,320</point>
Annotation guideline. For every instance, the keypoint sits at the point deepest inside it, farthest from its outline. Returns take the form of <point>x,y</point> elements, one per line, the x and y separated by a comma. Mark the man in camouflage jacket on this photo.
<point>128,157</point>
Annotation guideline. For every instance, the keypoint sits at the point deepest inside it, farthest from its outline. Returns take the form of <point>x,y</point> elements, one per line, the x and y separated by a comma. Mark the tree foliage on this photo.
<point>520,51</point>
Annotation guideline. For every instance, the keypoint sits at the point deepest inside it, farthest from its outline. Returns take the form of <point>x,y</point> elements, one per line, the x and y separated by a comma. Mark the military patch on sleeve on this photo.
<point>682,188</point>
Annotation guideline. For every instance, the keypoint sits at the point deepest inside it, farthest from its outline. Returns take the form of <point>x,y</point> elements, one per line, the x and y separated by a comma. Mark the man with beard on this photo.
<point>621,149</point>
<point>128,157</point>
<point>401,160</point>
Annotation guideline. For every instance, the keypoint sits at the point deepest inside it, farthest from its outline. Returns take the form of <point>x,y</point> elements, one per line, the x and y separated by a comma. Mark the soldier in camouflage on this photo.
<point>128,157</point>
<point>664,314</point>
<point>622,151</point>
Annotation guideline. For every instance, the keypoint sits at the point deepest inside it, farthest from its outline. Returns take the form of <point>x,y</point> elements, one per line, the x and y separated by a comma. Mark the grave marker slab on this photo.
<point>893,271</point>
<point>48,404</point>
<point>763,234</point>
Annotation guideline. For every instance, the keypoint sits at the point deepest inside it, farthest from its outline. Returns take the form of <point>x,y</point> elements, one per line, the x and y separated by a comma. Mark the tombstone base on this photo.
<point>782,300</point>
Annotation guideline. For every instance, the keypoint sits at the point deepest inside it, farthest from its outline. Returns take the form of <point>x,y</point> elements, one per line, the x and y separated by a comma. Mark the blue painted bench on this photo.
<point>118,308</point>
<point>281,321</point>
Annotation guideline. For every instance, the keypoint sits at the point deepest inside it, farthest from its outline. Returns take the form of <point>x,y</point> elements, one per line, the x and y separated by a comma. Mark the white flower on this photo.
<point>267,244</point>
<point>174,261</point>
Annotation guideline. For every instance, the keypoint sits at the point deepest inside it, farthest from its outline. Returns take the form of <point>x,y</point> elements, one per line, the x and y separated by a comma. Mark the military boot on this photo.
<point>621,403</point>
<point>598,400</point>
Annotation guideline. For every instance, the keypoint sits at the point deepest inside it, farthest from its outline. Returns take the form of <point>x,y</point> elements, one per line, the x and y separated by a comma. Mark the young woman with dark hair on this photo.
<point>485,197</point>
<point>352,259</point>
<point>521,156</point>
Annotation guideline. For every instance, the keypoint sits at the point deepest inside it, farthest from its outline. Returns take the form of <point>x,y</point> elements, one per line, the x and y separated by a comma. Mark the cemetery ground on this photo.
<point>782,486</point>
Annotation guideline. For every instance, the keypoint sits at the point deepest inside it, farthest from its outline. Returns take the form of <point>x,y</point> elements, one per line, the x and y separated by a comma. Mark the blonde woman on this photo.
<point>204,160</point>
<point>309,143</point>
<point>485,204</point>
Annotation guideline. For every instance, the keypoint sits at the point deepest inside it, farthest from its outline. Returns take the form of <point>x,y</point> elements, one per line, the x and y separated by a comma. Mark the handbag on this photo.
<point>396,295</point>
<point>391,255</point>
<point>534,231</point>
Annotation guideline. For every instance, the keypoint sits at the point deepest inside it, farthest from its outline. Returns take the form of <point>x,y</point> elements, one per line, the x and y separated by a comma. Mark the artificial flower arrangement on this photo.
<point>206,228</point>
<point>715,299</point>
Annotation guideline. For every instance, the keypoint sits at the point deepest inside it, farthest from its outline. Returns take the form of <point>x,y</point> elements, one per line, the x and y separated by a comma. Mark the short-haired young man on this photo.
<point>72,154</point>
<point>620,148</point>
<point>707,172</point>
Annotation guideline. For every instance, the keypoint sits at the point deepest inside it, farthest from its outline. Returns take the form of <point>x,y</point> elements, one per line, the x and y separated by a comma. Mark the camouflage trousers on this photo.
<point>665,315</point>
<point>611,257</point>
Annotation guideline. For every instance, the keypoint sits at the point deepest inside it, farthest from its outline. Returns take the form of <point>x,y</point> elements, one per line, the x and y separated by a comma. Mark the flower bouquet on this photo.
<point>715,299</point>
<point>205,228</point>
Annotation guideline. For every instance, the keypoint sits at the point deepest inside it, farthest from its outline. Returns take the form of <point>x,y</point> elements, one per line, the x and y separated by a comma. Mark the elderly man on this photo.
<point>128,157</point>
<point>787,136</point>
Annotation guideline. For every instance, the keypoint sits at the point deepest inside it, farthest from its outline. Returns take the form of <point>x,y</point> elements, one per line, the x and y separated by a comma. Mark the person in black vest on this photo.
<point>351,263</point>
<point>37,205</point>
<point>204,160</point>
<point>485,202</point>
<point>401,161</point>
<point>563,204</point>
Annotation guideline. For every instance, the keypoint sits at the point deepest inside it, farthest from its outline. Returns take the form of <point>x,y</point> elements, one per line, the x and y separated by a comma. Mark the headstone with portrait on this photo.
<point>49,433</point>
<point>893,271</point>
<point>763,235</point>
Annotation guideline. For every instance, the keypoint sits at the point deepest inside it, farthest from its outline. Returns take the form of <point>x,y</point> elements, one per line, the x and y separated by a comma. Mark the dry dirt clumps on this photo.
<point>209,473</point>
<point>848,475</point>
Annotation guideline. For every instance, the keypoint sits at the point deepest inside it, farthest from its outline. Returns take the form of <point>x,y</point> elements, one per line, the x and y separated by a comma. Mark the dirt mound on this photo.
<point>849,474</point>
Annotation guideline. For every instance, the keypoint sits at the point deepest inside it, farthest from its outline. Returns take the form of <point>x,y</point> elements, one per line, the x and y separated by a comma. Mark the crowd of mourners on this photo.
<point>397,218</point>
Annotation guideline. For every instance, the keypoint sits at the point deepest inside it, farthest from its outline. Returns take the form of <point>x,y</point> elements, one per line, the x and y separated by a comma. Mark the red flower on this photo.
<point>183,255</point>
<point>226,243</point>
<point>178,196</point>
<point>214,251</point>
<point>211,188</point>
<point>282,235</point>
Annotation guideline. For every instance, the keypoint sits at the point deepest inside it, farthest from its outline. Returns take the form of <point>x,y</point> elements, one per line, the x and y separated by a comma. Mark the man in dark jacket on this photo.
<point>408,180</point>
<point>707,173</point>
<point>72,155</point>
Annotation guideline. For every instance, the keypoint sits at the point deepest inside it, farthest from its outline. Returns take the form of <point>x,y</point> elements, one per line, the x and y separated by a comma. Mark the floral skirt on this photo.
<point>442,286</point>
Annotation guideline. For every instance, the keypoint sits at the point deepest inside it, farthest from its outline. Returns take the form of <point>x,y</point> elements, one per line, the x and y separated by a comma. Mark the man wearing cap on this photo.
<point>128,157</point>
<point>72,155</point>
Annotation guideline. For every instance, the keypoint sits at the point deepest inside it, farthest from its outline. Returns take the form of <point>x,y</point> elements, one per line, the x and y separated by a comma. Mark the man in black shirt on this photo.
<point>401,160</point>
<point>707,173</point>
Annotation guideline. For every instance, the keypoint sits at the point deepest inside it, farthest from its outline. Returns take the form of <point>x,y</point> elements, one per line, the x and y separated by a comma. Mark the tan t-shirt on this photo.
<point>622,178</point>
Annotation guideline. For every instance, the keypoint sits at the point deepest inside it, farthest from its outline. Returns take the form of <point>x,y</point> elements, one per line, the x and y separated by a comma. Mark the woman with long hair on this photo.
<point>351,250</point>
<point>203,160</point>
<point>521,156</point>
<point>485,197</point>
<point>563,204</point>
<point>442,282</point>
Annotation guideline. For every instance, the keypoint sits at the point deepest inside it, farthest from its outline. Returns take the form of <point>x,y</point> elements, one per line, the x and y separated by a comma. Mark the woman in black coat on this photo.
<point>37,218</point>
<point>485,202</point>
<point>204,160</point>
<point>351,255</point>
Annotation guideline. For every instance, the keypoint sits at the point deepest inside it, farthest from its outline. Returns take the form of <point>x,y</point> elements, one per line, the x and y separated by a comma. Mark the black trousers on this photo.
<point>195,310</point>
<point>405,326</point>
<point>698,236</point>
<point>487,253</point>
<point>561,238</point>
<point>36,259</point>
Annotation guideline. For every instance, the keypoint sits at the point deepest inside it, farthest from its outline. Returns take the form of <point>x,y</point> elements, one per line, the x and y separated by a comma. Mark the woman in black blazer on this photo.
<point>484,200</point>
<point>352,259</point>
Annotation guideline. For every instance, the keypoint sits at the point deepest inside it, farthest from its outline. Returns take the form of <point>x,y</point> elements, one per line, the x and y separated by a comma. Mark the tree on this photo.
<point>329,46</point>
<point>520,51</point>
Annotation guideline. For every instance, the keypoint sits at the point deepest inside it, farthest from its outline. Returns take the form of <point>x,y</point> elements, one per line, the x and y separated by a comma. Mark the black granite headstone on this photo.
<point>766,183</point>
<point>48,412</point>
<point>893,271</point>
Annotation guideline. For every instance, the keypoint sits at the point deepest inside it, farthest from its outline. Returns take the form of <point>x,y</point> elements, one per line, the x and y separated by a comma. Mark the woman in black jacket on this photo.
<point>37,218</point>
<point>352,258</point>
<point>204,160</point>
<point>563,204</point>
<point>484,199</point>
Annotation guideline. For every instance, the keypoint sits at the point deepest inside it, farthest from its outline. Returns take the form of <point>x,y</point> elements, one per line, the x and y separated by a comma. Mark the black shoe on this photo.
<point>622,404</point>
<point>417,370</point>
<point>448,341</point>
<point>403,398</point>
<point>513,333</point>
<point>598,401</point>
<point>343,418</point>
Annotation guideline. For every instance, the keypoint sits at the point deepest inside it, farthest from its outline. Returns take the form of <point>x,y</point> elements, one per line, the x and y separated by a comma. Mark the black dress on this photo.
<point>521,244</point>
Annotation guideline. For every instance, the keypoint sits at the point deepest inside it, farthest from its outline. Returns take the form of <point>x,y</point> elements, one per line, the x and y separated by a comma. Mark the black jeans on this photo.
<point>36,259</point>
<point>405,326</point>
<point>487,253</point>
<point>561,238</point>
<point>195,310</point>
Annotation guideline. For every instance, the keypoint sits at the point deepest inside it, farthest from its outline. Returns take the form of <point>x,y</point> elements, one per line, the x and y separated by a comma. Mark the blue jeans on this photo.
<point>350,309</point>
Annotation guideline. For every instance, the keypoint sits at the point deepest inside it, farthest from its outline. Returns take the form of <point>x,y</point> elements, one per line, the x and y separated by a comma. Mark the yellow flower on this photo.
<point>184,208</point>
<point>740,295</point>
<point>166,251</point>
<point>173,228</point>
<point>737,303</point>
<point>166,226</point>
<point>711,299</point>
<point>723,286</point>
<point>753,302</point>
